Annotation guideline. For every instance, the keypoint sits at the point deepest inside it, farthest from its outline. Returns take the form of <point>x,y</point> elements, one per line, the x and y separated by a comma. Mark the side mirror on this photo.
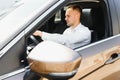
<point>54,61</point>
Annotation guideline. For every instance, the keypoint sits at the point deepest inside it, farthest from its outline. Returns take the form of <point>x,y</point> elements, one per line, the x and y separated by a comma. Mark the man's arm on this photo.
<point>48,36</point>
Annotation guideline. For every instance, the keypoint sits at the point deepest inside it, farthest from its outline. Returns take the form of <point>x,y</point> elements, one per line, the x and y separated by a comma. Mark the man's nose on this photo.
<point>65,18</point>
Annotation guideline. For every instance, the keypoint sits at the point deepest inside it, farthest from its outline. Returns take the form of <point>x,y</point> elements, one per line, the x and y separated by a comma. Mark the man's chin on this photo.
<point>68,25</point>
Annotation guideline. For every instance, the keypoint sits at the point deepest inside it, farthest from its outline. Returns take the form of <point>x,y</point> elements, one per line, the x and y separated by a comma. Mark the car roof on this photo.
<point>19,16</point>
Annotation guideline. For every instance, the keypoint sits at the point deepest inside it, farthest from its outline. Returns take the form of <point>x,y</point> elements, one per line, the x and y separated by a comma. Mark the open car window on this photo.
<point>93,17</point>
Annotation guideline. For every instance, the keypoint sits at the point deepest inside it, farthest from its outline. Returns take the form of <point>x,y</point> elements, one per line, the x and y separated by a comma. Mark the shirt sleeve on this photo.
<point>59,38</point>
<point>74,37</point>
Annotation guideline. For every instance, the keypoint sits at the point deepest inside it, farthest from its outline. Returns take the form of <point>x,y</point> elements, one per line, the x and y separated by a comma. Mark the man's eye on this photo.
<point>68,16</point>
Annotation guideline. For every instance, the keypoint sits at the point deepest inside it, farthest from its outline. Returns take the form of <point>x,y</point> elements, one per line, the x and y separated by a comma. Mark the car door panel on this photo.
<point>107,72</point>
<point>105,55</point>
<point>88,65</point>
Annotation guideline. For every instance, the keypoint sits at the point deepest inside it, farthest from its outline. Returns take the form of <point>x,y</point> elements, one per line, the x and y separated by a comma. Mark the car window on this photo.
<point>93,17</point>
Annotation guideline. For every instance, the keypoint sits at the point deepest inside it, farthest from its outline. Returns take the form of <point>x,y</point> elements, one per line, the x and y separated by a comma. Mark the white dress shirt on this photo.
<point>73,38</point>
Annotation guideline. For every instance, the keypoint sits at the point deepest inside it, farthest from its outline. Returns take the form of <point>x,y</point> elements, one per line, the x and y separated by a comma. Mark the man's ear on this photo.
<point>77,15</point>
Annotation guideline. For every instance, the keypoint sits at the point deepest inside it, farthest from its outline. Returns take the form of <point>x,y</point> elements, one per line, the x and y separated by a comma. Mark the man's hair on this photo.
<point>75,7</point>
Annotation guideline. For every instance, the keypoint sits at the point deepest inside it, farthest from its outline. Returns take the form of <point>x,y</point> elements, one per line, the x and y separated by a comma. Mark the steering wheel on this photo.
<point>34,39</point>
<point>30,46</point>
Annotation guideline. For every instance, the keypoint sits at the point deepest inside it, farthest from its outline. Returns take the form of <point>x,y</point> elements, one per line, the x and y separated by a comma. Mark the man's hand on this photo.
<point>37,33</point>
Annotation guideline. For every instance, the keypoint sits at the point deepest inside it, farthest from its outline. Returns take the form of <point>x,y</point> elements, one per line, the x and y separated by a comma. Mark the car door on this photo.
<point>100,60</point>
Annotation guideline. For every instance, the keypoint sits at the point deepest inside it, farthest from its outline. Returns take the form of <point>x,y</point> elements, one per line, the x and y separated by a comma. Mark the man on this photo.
<point>76,35</point>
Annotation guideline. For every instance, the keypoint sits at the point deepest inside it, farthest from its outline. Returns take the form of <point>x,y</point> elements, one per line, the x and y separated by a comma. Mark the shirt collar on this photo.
<point>78,26</point>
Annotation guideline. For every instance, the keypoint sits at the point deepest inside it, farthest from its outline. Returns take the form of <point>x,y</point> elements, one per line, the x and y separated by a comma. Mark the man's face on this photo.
<point>69,17</point>
<point>72,17</point>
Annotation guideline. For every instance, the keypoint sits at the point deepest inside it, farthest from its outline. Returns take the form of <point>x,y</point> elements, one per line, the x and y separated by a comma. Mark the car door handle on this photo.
<point>113,58</point>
